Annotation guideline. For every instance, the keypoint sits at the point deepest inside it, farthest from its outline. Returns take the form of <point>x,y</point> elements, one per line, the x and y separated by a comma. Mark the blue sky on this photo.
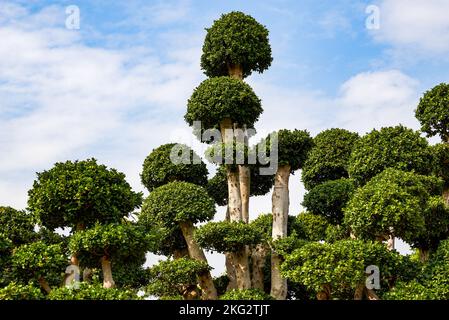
<point>117,87</point>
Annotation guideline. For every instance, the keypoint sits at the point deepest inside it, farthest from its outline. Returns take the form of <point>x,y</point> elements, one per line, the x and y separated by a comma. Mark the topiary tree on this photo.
<point>105,243</point>
<point>391,204</point>
<point>92,291</point>
<point>329,198</point>
<point>344,274</point>
<point>329,157</point>
<point>293,148</point>
<point>391,147</point>
<point>176,277</point>
<point>81,193</point>
<point>310,227</point>
<point>236,45</point>
<point>40,262</point>
<point>183,204</point>
<point>18,291</point>
<point>159,169</point>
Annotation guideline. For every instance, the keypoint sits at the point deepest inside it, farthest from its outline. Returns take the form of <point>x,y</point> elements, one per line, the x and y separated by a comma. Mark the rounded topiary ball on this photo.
<point>220,98</point>
<point>236,39</point>
<point>178,202</point>
<point>160,169</point>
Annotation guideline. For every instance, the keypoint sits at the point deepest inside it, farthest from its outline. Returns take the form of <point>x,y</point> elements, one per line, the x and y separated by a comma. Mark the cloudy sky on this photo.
<point>117,87</point>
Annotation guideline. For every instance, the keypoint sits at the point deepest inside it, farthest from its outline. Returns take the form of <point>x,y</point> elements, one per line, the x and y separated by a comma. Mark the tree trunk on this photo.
<point>359,291</point>
<point>424,255</point>
<point>74,258</point>
<point>108,280</point>
<point>207,284</point>
<point>241,267</point>
<point>258,256</point>
<point>245,181</point>
<point>230,271</point>
<point>180,253</point>
<point>280,206</point>
<point>44,284</point>
<point>325,293</point>
<point>371,295</point>
<point>390,242</point>
<point>235,71</point>
<point>446,196</point>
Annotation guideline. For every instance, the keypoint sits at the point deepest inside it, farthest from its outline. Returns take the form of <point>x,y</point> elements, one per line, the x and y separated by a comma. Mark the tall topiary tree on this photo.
<point>293,149</point>
<point>329,157</point>
<point>390,147</point>
<point>183,204</point>
<point>80,194</point>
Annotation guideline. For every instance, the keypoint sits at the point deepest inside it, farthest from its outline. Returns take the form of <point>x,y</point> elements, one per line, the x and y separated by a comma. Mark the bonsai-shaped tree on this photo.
<point>176,278</point>
<point>81,194</point>
<point>183,204</point>
<point>345,267</point>
<point>329,157</point>
<point>390,147</point>
<point>293,148</point>
<point>40,262</point>
<point>433,114</point>
<point>109,242</point>
<point>391,204</point>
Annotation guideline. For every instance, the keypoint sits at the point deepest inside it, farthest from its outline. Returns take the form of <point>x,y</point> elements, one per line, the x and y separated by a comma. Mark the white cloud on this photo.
<point>414,26</point>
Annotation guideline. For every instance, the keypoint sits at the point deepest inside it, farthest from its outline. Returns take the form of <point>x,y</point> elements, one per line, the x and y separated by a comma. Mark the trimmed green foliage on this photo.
<point>329,198</point>
<point>390,147</point>
<point>171,277</point>
<point>328,159</point>
<point>226,236</point>
<point>219,98</point>
<point>247,294</point>
<point>392,202</point>
<point>94,291</point>
<point>236,39</point>
<point>311,227</point>
<point>441,167</point>
<point>159,169</point>
<point>81,192</point>
<point>17,225</point>
<point>178,202</point>
<point>433,111</point>
<point>17,291</point>
<point>341,265</point>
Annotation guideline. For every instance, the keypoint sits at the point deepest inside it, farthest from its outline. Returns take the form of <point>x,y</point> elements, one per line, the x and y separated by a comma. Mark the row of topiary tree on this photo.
<point>362,194</point>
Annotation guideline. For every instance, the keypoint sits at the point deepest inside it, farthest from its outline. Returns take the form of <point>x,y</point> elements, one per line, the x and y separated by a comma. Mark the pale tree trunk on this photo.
<point>245,181</point>
<point>44,284</point>
<point>390,242</point>
<point>108,280</point>
<point>241,265</point>
<point>280,204</point>
<point>206,283</point>
<point>230,271</point>
<point>259,256</point>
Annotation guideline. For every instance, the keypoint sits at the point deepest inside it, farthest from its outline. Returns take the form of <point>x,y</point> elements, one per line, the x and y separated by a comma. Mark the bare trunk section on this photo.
<point>190,293</point>
<point>235,71</point>
<point>446,196</point>
<point>206,283</point>
<point>180,253</point>
<point>234,199</point>
<point>44,284</point>
<point>258,256</point>
<point>325,293</point>
<point>241,266</point>
<point>359,291</point>
<point>230,271</point>
<point>390,242</point>
<point>424,255</point>
<point>245,181</point>
<point>371,295</point>
<point>280,204</point>
<point>108,280</point>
